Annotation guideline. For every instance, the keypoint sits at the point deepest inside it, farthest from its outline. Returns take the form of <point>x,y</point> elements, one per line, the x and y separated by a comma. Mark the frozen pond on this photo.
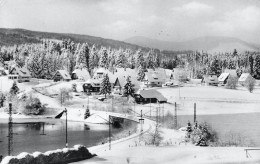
<point>28,138</point>
<point>246,124</point>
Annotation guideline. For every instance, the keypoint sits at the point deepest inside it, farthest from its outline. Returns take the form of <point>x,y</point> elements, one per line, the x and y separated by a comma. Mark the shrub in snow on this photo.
<point>203,135</point>
<point>77,153</point>
<point>14,89</point>
<point>250,84</point>
<point>74,87</point>
<point>232,82</point>
<point>34,106</point>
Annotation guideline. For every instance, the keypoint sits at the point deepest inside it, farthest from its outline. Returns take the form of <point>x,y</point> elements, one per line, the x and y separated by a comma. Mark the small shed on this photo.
<point>80,74</point>
<point>244,78</point>
<point>149,96</point>
<point>210,80</point>
<point>61,75</point>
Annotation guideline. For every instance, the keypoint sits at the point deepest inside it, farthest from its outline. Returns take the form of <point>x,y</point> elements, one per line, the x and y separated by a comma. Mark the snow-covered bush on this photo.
<point>250,84</point>
<point>232,82</point>
<point>74,87</point>
<point>66,155</point>
<point>33,105</point>
<point>203,135</point>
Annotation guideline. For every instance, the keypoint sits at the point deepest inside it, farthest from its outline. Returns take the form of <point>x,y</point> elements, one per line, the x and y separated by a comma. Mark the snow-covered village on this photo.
<point>129,82</point>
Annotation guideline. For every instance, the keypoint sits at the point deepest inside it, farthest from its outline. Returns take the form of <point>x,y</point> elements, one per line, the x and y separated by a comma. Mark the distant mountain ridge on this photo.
<point>210,44</point>
<point>20,36</point>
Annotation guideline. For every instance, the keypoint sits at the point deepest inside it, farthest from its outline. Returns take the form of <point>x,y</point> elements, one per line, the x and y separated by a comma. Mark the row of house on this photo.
<point>223,78</point>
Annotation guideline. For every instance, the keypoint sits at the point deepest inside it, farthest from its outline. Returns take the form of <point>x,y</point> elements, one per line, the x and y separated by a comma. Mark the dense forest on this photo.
<point>44,58</point>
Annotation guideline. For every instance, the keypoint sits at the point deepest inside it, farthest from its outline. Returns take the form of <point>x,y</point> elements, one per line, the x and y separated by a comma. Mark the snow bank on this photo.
<point>66,155</point>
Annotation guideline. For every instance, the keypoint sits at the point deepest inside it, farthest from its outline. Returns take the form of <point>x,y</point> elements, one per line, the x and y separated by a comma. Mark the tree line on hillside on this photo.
<point>45,58</point>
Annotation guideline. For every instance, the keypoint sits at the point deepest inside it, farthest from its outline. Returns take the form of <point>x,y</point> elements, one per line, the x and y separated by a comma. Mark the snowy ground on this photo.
<point>210,100</point>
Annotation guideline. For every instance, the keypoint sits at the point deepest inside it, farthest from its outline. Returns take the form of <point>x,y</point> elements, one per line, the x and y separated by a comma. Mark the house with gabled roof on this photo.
<point>120,75</point>
<point>19,74</point>
<point>154,78</point>
<point>210,80</point>
<point>61,75</point>
<point>223,78</point>
<point>80,74</point>
<point>244,78</point>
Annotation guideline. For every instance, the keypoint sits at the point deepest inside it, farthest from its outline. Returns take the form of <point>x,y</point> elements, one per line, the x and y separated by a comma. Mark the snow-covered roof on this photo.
<point>82,74</point>
<point>65,75</point>
<point>232,72</point>
<point>223,77</point>
<point>122,73</point>
<point>151,93</point>
<point>158,71</point>
<point>244,77</point>
<point>23,72</point>
<point>154,77</point>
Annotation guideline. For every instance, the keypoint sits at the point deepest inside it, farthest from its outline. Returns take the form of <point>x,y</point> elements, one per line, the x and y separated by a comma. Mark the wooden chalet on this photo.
<point>149,96</point>
<point>61,75</point>
<point>19,74</point>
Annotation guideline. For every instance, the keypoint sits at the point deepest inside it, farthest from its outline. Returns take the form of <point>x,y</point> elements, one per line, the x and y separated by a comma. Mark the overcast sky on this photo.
<point>171,20</point>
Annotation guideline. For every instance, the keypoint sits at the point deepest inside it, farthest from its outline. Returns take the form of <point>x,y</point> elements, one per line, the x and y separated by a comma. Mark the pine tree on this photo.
<point>105,86</point>
<point>257,67</point>
<point>14,89</point>
<point>121,60</point>
<point>128,88</point>
<point>215,67</point>
<point>139,59</point>
<point>149,60</point>
<point>103,61</point>
<point>2,99</point>
<point>251,64</point>
<point>140,74</point>
<point>131,62</point>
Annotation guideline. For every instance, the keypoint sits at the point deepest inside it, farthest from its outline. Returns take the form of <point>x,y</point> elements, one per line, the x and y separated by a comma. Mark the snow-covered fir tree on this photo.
<point>139,61</point>
<point>103,61</point>
<point>105,86</point>
<point>128,88</point>
<point>256,68</point>
<point>140,73</point>
<point>215,67</point>
<point>149,60</point>
<point>121,59</point>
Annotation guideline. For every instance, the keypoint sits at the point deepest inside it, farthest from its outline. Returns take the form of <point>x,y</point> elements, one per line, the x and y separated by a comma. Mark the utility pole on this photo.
<point>66,127</point>
<point>175,115</point>
<point>10,130</point>
<point>109,130</point>
<point>195,113</point>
